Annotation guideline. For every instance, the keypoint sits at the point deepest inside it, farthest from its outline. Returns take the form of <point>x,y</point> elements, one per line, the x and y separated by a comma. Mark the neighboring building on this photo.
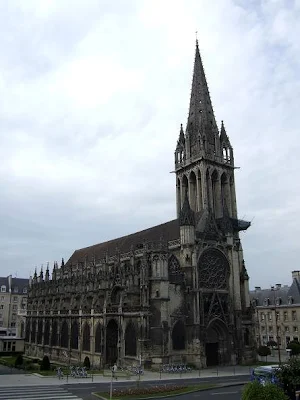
<point>13,297</point>
<point>11,344</point>
<point>277,312</point>
<point>174,292</point>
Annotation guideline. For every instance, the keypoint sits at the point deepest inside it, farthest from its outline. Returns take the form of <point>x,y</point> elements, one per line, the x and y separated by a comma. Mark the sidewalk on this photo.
<point>35,380</point>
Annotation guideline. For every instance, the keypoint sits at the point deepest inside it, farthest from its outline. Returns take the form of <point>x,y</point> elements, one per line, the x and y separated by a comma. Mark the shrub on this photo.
<point>295,348</point>
<point>263,351</point>
<point>87,363</point>
<point>19,361</point>
<point>289,375</point>
<point>45,364</point>
<point>255,391</point>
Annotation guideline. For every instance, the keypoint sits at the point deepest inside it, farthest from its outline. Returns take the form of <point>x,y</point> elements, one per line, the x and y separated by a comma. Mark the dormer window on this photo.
<point>267,302</point>
<point>16,290</point>
<point>3,288</point>
<point>290,300</point>
<point>278,301</point>
<point>25,290</point>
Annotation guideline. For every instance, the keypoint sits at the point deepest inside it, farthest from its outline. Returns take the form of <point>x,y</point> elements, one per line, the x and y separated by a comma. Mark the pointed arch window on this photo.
<point>74,335</point>
<point>33,331</point>
<point>98,338</point>
<point>47,332</point>
<point>86,338</point>
<point>64,335</point>
<point>54,333</point>
<point>176,274</point>
<point>40,332</point>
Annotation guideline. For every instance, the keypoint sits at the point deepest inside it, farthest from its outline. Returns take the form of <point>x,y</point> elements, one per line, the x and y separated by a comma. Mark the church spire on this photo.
<point>201,119</point>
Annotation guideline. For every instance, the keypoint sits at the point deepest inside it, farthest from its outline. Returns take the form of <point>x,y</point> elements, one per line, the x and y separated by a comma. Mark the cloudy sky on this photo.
<point>92,94</point>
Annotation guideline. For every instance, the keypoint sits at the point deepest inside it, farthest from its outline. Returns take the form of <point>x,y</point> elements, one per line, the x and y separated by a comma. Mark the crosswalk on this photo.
<point>36,393</point>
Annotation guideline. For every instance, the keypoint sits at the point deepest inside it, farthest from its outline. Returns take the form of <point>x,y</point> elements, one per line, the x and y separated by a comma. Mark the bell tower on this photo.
<point>204,162</point>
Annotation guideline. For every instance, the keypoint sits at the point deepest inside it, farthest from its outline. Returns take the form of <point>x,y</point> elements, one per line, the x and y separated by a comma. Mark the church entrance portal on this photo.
<point>212,354</point>
<point>217,349</point>
<point>111,342</point>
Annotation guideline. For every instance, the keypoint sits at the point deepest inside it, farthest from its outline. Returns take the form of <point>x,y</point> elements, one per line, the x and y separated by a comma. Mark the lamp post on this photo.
<point>276,322</point>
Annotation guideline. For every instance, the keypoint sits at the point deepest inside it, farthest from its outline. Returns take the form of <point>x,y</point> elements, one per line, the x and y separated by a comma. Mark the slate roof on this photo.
<point>285,293</point>
<point>19,283</point>
<point>167,231</point>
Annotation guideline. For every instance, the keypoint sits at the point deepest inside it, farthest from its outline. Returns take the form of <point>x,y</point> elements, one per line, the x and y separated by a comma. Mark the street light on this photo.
<point>276,321</point>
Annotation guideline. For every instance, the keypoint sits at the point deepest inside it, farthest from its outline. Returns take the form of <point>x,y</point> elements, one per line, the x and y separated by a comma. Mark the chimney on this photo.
<point>278,285</point>
<point>296,275</point>
<point>9,283</point>
<point>257,288</point>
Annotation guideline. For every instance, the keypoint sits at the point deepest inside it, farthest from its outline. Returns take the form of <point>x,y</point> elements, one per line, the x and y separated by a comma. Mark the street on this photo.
<point>84,390</point>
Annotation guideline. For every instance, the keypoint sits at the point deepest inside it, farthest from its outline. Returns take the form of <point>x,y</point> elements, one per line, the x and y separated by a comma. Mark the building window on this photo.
<point>15,299</point>
<point>14,307</point>
<point>3,288</point>
<point>290,300</point>
<point>285,316</point>
<point>1,307</point>
<point>270,329</point>
<point>16,290</point>
<point>13,325</point>
<point>263,328</point>
<point>2,298</point>
<point>278,329</point>
<point>287,329</point>
<point>295,339</point>
<point>270,316</point>
<point>13,346</point>
<point>14,317</point>
<point>277,316</point>
<point>294,315</point>
<point>262,316</point>
<point>264,339</point>
<point>4,346</point>
<point>267,302</point>
<point>9,346</point>
<point>295,328</point>
<point>25,290</point>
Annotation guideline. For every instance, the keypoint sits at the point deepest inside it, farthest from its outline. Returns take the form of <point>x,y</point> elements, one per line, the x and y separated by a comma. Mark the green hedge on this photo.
<point>256,391</point>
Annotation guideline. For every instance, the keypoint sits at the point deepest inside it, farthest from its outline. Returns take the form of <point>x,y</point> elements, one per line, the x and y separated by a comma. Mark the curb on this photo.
<point>182,394</point>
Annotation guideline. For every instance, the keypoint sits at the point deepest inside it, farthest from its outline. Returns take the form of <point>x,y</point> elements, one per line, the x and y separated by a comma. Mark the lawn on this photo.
<point>187,389</point>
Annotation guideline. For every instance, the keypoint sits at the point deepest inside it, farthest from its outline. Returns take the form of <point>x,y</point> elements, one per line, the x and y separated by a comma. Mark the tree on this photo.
<point>289,375</point>
<point>45,364</point>
<point>256,391</point>
<point>19,361</point>
<point>86,363</point>
<point>263,351</point>
<point>295,347</point>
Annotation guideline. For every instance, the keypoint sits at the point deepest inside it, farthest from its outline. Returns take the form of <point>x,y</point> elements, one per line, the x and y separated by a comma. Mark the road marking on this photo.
<point>222,393</point>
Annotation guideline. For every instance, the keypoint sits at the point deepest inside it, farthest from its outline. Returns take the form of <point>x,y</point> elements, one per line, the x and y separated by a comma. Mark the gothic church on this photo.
<point>176,292</point>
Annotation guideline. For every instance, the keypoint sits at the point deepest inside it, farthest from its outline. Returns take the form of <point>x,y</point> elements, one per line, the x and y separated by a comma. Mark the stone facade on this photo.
<point>177,292</point>
<point>277,313</point>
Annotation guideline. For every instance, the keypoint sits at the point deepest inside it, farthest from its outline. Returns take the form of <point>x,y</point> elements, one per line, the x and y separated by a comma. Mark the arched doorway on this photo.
<point>178,336</point>
<point>130,340</point>
<point>111,342</point>
<point>217,347</point>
